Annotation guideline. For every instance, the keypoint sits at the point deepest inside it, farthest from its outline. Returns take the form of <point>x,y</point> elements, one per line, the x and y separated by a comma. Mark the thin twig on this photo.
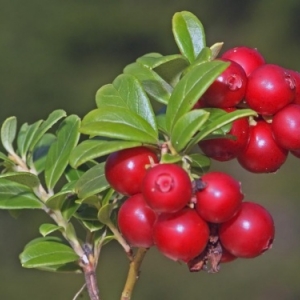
<point>133,273</point>
<point>79,292</point>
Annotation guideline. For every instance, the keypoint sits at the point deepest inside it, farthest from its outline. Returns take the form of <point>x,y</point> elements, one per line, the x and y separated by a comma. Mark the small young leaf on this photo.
<point>186,127</point>
<point>215,49</point>
<point>8,133</point>
<point>92,226</point>
<point>168,158</point>
<point>189,34</point>
<point>46,229</point>
<point>59,152</point>
<point>118,123</point>
<point>92,182</point>
<point>190,88</point>
<point>127,92</point>
<point>17,196</point>
<point>24,178</point>
<point>156,88</point>
<point>25,137</point>
<point>200,162</point>
<point>161,123</point>
<point>105,212</point>
<point>91,149</point>
<point>219,122</point>
<point>43,253</point>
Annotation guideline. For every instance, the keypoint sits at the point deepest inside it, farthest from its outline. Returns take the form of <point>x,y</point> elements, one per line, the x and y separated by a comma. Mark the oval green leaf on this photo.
<point>189,34</point>
<point>8,133</point>
<point>91,149</point>
<point>59,152</point>
<point>46,229</point>
<point>47,253</point>
<point>24,178</point>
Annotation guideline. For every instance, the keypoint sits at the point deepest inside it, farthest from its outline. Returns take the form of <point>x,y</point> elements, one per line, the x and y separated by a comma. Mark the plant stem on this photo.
<point>133,273</point>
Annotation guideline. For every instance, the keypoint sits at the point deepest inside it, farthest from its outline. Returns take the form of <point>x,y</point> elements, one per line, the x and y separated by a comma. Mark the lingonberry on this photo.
<point>270,88</point>
<point>224,149</point>
<point>167,188</point>
<point>248,58</point>
<point>228,89</point>
<point>286,127</point>
<point>262,154</point>
<point>227,256</point>
<point>136,220</point>
<point>182,235</point>
<point>125,169</point>
<point>249,233</point>
<point>220,199</point>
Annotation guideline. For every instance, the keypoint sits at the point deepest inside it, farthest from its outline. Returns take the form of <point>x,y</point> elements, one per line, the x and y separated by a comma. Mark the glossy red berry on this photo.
<point>220,198</point>
<point>136,220</point>
<point>182,235</point>
<point>286,127</point>
<point>224,149</point>
<point>125,169</point>
<point>270,88</point>
<point>167,188</point>
<point>249,233</point>
<point>228,89</point>
<point>248,58</point>
<point>262,154</point>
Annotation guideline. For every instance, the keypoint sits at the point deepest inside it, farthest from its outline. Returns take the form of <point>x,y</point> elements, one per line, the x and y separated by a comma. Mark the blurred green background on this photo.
<point>56,54</point>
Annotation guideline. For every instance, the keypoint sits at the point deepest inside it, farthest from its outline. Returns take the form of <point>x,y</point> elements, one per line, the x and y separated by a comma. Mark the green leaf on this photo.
<point>118,123</point>
<point>17,196</point>
<point>168,158</point>
<point>43,253</point>
<point>189,34</point>
<point>25,137</point>
<point>200,162</point>
<point>56,201</point>
<point>8,133</point>
<point>186,127</point>
<point>92,182</point>
<point>169,67</point>
<point>149,60</point>
<point>219,122</point>
<point>63,268</point>
<point>73,174</point>
<point>87,213</point>
<point>5,158</point>
<point>59,152</point>
<point>156,88</point>
<point>92,226</point>
<point>69,207</point>
<point>91,149</point>
<point>161,123</point>
<point>39,155</point>
<point>24,178</point>
<point>46,229</point>
<point>215,49</point>
<point>190,88</point>
<point>105,212</point>
<point>127,92</point>
<point>52,119</point>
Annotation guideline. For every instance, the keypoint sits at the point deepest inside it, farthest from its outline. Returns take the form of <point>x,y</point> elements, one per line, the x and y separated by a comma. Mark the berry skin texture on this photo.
<point>181,236</point>
<point>286,127</point>
<point>270,88</point>
<point>248,58</point>
<point>167,188</point>
<point>125,169</point>
<point>249,233</point>
<point>262,154</point>
<point>228,89</point>
<point>136,220</point>
<point>224,149</point>
<point>220,199</point>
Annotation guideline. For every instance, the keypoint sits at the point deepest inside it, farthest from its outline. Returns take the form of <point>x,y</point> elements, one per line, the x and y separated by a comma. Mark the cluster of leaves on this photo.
<point>151,103</point>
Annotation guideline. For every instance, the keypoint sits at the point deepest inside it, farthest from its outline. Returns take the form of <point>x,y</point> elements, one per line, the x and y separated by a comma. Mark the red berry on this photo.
<point>296,153</point>
<point>182,235</point>
<point>227,256</point>
<point>228,89</point>
<point>220,198</point>
<point>286,127</point>
<point>248,58</point>
<point>269,89</point>
<point>224,149</point>
<point>262,154</point>
<point>249,233</point>
<point>167,188</point>
<point>125,169</point>
<point>136,220</point>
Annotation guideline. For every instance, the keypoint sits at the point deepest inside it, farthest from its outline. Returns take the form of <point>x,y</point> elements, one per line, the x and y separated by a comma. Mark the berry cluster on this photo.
<point>261,145</point>
<point>202,222</point>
